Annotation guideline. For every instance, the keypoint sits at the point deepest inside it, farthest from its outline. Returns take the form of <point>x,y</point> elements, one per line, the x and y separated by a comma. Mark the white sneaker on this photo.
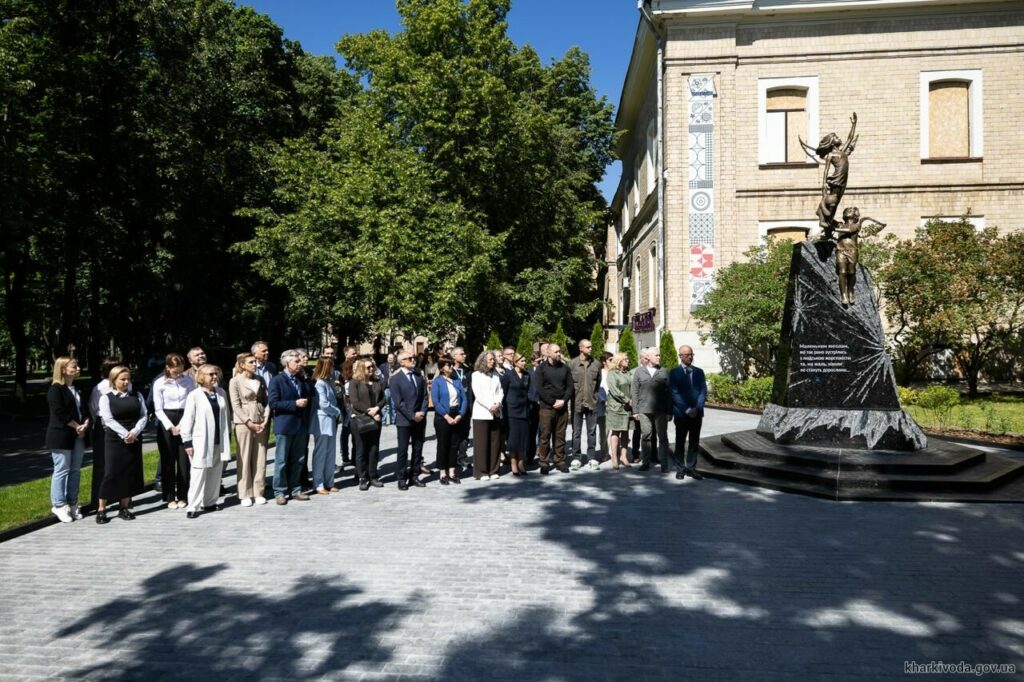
<point>594,464</point>
<point>485,477</point>
<point>576,464</point>
<point>63,513</point>
<point>260,499</point>
<point>247,502</point>
<point>76,512</point>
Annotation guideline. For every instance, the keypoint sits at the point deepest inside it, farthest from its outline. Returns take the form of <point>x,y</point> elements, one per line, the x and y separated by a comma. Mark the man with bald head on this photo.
<point>555,390</point>
<point>689,391</point>
<point>651,405</point>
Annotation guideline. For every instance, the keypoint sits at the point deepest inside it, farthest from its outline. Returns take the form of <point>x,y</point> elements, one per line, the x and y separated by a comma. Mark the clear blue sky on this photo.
<point>604,29</point>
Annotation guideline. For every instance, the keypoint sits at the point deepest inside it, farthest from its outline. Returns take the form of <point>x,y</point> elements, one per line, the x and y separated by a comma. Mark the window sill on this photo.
<point>953,159</point>
<point>787,164</point>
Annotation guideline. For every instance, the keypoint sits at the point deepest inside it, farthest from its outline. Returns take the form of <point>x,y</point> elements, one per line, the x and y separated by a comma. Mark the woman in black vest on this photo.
<point>65,438</point>
<point>124,418</point>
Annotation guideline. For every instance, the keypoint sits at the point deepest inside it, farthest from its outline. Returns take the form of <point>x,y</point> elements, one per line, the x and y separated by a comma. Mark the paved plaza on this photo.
<point>585,576</point>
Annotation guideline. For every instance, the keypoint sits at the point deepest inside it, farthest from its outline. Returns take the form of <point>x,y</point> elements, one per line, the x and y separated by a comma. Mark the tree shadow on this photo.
<point>728,582</point>
<point>185,623</point>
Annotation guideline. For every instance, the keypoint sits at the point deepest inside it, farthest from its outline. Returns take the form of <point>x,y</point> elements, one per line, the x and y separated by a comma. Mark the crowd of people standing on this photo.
<point>510,409</point>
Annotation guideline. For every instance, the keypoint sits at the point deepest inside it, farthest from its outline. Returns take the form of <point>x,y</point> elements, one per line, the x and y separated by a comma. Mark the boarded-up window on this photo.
<point>786,113</point>
<point>949,130</point>
<point>793,234</point>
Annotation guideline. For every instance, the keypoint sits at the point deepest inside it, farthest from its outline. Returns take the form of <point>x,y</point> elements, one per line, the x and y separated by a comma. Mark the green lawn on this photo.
<point>31,500</point>
<point>997,414</point>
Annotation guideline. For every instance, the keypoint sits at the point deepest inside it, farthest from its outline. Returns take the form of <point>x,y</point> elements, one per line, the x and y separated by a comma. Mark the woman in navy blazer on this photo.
<point>517,398</point>
<point>450,408</point>
<point>65,438</point>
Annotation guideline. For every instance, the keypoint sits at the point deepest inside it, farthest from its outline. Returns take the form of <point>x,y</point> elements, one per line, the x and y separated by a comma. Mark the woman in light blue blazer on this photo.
<point>323,423</point>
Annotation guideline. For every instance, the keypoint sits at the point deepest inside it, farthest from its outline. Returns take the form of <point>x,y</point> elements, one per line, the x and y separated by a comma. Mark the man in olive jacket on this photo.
<point>586,379</point>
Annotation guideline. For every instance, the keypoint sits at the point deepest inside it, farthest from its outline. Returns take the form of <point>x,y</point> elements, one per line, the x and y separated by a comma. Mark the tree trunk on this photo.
<point>15,315</point>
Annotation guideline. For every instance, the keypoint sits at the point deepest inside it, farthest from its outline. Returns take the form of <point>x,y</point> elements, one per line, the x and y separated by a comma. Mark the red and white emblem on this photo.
<point>702,260</point>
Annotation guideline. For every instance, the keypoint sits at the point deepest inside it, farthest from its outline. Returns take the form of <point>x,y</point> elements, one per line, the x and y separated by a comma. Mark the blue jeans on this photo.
<point>289,458</point>
<point>67,472</point>
<point>323,462</point>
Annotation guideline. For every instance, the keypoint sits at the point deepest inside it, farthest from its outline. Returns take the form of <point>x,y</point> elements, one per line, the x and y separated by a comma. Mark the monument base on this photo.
<point>861,429</point>
<point>943,471</point>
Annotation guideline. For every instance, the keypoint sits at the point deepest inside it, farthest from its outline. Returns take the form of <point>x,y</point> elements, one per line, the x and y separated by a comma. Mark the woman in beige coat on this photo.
<point>249,414</point>
<point>207,441</point>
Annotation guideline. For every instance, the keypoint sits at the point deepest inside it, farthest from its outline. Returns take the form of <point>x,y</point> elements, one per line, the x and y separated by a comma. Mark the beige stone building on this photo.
<point>718,92</point>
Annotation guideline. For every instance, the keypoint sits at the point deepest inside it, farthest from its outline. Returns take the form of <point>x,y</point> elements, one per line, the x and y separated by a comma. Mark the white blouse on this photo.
<point>170,394</point>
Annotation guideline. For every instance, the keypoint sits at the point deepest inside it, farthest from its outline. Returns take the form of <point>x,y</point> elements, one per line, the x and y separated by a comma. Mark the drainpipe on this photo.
<point>643,6</point>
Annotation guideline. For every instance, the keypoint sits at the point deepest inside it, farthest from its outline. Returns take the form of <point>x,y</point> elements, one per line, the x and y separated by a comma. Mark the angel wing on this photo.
<point>811,151</point>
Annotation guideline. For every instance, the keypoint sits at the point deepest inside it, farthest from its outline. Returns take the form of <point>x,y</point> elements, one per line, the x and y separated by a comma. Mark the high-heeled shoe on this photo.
<point>456,480</point>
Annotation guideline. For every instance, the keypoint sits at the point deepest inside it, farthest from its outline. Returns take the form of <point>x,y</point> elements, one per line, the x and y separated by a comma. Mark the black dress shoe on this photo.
<point>403,485</point>
<point>644,467</point>
<point>680,475</point>
<point>418,483</point>
<point>544,470</point>
<point>364,484</point>
<point>216,507</point>
<point>564,468</point>
<point>375,482</point>
<point>456,480</point>
<point>522,473</point>
<point>126,514</point>
<point>193,515</point>
<point>101,517</point>
<point>444,480</point>
<point>693,473</point>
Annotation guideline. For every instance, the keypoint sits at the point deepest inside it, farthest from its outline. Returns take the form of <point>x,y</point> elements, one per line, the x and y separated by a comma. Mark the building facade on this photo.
<point>719,94</point>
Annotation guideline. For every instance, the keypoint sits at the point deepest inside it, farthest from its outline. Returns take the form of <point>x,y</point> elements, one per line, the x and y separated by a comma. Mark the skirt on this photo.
<point>122,474</point>
<point>518,436</point>
<point>618,421</point>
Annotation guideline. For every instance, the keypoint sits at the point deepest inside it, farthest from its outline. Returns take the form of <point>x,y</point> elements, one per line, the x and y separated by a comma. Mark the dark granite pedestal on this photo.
<point>834,427</point>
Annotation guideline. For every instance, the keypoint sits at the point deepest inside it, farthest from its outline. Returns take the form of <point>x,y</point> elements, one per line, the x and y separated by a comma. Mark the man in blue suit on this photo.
<point>689,392</point>
<point>289,402</point>
<point>409,393</point>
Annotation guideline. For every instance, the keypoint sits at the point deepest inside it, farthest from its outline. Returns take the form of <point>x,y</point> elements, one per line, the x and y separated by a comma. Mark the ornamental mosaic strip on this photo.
<point>702,228</point>
<point>701,186</point>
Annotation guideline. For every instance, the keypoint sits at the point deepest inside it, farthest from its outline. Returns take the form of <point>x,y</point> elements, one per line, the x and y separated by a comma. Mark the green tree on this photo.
<point>494,341</point>
<point>527,335</point>
<point>668,351</point>
<point>627,345</point>
<point>559,338</point>
<point>954,287</point>
<point>518,145</point>
<point>746,328</point>
<point>597,340</point>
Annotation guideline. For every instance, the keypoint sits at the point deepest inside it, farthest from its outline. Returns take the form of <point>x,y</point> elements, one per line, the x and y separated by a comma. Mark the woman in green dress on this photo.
<point>619,411</point>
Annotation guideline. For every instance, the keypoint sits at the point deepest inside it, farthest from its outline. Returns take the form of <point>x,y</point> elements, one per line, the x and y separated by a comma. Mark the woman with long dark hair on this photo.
<point>169,393</point>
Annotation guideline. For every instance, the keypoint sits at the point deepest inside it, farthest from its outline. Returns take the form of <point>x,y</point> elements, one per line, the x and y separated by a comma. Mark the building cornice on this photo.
<point>661,9</point>
<point>638,74</point>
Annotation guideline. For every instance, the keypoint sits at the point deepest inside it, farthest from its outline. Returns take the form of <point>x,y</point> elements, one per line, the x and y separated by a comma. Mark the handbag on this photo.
<point>363,423</point>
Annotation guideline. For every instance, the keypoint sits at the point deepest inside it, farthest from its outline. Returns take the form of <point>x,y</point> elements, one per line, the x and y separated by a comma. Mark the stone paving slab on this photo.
<point>588,576</point>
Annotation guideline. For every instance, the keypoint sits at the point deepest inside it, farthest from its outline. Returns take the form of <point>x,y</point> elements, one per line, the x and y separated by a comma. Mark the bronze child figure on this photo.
<point>836,155</point>
<point>847,250</point>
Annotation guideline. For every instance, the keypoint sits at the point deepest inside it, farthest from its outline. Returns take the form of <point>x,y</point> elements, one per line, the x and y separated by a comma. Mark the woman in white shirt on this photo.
<point>487,397</point>
<point>204,432</point>
<point>124,418</point>
<point>169,393</point>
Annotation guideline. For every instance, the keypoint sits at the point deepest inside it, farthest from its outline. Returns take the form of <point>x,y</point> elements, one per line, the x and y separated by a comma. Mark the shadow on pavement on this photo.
<point>184,625</point>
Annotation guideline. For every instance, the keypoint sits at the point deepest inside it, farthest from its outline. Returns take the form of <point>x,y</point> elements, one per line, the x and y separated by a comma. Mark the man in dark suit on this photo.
<point>409,392</point>
<point>289,402</point>
<point>689,391</point>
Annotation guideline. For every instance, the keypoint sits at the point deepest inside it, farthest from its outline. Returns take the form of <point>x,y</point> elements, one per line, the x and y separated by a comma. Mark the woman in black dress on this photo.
<point>518,401</point>
<point>124,418</point>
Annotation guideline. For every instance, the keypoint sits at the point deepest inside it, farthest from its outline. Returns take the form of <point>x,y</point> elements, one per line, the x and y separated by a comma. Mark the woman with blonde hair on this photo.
<point>366,400</point>
<point>169,393</point>
<point>618,409</point>
<point>250,417</point>
<point>65,439</point>
<point>204,432</point>
<point>124,418</point>
<point>323,425</point>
